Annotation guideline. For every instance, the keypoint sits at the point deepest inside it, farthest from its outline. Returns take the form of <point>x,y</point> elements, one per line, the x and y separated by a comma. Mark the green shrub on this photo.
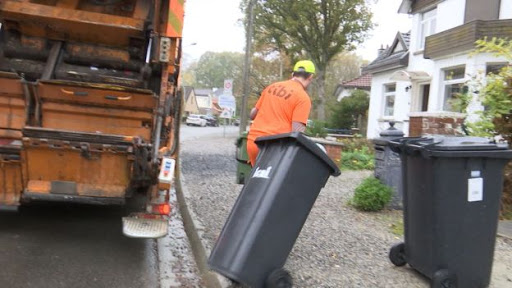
<point>316,128</point>
<point>371,195</point>
<point>358,154</point>
<point>357,143</point>
<point>357,160</point>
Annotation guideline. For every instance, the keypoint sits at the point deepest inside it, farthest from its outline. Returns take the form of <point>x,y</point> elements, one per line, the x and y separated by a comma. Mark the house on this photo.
<point>204,101</point>
<point>415,80</point>
<point>344,89</point>
<point>216,109</point>
<point>383,98</point>
<point>190,103</point>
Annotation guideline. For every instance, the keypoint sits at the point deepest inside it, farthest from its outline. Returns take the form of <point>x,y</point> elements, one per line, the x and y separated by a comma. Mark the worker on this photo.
<point>283,107</point>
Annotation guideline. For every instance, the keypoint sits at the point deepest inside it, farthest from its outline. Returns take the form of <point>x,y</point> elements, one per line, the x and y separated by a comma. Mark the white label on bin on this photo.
<point>475,174</point>
<point>475,189</point>
<point>262,173</point>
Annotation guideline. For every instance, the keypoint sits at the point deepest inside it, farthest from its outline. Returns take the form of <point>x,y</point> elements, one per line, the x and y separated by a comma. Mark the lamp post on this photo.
<point>247,63</point>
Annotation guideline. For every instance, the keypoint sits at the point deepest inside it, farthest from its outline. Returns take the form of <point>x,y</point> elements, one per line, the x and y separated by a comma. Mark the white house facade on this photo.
<point>440,60</point>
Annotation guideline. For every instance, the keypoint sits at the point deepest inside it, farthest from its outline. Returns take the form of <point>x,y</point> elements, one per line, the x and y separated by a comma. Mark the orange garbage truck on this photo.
<point>89,105</point>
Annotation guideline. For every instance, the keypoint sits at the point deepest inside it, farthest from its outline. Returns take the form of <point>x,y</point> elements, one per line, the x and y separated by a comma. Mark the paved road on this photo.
<point>72,246</point>
<point>75,246</point>
<point>191,132</point>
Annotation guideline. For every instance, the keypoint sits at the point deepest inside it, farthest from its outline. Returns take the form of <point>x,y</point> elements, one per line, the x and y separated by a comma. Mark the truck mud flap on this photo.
<point>70,166</point>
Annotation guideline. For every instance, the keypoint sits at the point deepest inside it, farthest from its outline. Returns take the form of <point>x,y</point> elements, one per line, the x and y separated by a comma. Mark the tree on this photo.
<point>494,93</point>
<point>314,29</point>
<point>213,68</point>
<point>344,66</point>
<point>188,77</point>
<point>349,110</point>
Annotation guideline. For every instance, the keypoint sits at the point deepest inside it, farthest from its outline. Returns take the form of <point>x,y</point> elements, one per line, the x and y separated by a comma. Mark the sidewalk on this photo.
<point>505,229</point>
<point>338,246</point>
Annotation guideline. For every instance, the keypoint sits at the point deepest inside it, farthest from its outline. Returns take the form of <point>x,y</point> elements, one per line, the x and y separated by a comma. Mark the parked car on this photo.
<point>236,122</point>
<point>210,120</point>
<point>195,120</point>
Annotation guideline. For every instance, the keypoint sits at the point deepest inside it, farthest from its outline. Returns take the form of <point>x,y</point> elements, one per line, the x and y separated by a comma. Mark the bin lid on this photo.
<point>458,143</point>
<point>451,146</point>
<point>306,143</point>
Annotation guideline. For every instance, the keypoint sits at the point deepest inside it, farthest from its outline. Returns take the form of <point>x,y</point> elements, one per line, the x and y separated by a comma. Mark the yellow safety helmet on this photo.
<point>304,66</point>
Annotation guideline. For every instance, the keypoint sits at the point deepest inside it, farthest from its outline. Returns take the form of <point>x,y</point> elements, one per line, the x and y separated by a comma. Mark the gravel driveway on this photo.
<point>338,246</point>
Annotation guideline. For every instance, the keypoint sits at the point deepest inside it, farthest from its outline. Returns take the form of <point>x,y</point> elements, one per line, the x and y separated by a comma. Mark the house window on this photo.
<point>425,93</point>
<point>494,68</point>
<point>389,99</point>
<point>453,83</point>
<point>427,26</point>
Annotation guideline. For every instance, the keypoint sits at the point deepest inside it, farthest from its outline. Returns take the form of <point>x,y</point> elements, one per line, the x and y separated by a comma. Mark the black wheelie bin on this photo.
<point>452,190</point>
<point>270,211</point>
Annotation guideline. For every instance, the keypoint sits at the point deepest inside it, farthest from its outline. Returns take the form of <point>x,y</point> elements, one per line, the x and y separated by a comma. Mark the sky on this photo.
<point>216,26</point>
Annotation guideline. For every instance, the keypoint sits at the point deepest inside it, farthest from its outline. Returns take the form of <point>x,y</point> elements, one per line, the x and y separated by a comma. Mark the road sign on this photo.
<point>227,101</point>
<point>226,113</point>
<point>228,86</point>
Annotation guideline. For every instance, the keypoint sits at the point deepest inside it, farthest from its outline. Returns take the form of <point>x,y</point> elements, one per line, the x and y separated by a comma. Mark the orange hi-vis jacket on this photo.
<point>279,105</point>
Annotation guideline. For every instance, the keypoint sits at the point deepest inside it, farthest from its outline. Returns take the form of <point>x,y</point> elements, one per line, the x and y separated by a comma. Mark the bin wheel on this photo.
<point>279,278</point>
<point>444,279</point>
<point>397,254</point>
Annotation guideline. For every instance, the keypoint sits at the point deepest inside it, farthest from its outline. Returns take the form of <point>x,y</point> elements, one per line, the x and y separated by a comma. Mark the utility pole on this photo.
<point>247,64</point>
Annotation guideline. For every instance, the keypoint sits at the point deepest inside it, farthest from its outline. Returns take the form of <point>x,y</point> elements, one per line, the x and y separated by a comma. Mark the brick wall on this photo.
<point>333,148</point>
<point>440,124</point>
<point>334,152</point>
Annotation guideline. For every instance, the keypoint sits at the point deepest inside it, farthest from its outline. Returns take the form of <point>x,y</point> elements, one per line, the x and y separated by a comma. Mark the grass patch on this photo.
<point>397,228</point>
<point>507,215</point>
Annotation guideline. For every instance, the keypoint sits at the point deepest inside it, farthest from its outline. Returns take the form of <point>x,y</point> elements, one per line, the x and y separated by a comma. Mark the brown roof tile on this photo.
<point>363,81</point>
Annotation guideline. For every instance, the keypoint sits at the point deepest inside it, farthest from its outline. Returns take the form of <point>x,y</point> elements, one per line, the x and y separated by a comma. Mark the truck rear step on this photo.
<point>145,226</point>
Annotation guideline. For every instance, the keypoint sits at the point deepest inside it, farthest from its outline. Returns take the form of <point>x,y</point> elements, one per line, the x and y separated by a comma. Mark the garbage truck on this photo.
<point>89,105</point>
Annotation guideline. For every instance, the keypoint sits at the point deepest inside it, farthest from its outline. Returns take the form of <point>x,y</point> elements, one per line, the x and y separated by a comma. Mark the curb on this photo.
<point>505,229</point>
<point>192,228</point>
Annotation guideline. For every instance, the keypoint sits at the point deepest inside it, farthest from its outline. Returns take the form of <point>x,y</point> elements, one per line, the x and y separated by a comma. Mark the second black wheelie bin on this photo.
<point>452,189</point>
<point>270,211</point>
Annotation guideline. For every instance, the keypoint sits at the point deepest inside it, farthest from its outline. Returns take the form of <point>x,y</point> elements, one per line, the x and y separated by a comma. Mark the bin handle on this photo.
<point>405,144</point>
<point>238,159</point>
<point>241,161</point>
<point>422,148</point>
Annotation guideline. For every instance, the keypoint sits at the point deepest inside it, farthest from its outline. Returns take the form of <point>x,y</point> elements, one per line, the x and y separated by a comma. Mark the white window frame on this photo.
<point>387,94</point>
<point>450,82</point>
<point>489,64</point>
<point>427,26</point>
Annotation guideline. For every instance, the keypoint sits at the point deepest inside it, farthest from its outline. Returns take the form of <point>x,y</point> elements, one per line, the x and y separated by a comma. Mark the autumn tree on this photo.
<point>313,29</point>
<point>213,68</point>
<point>343,67</point>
